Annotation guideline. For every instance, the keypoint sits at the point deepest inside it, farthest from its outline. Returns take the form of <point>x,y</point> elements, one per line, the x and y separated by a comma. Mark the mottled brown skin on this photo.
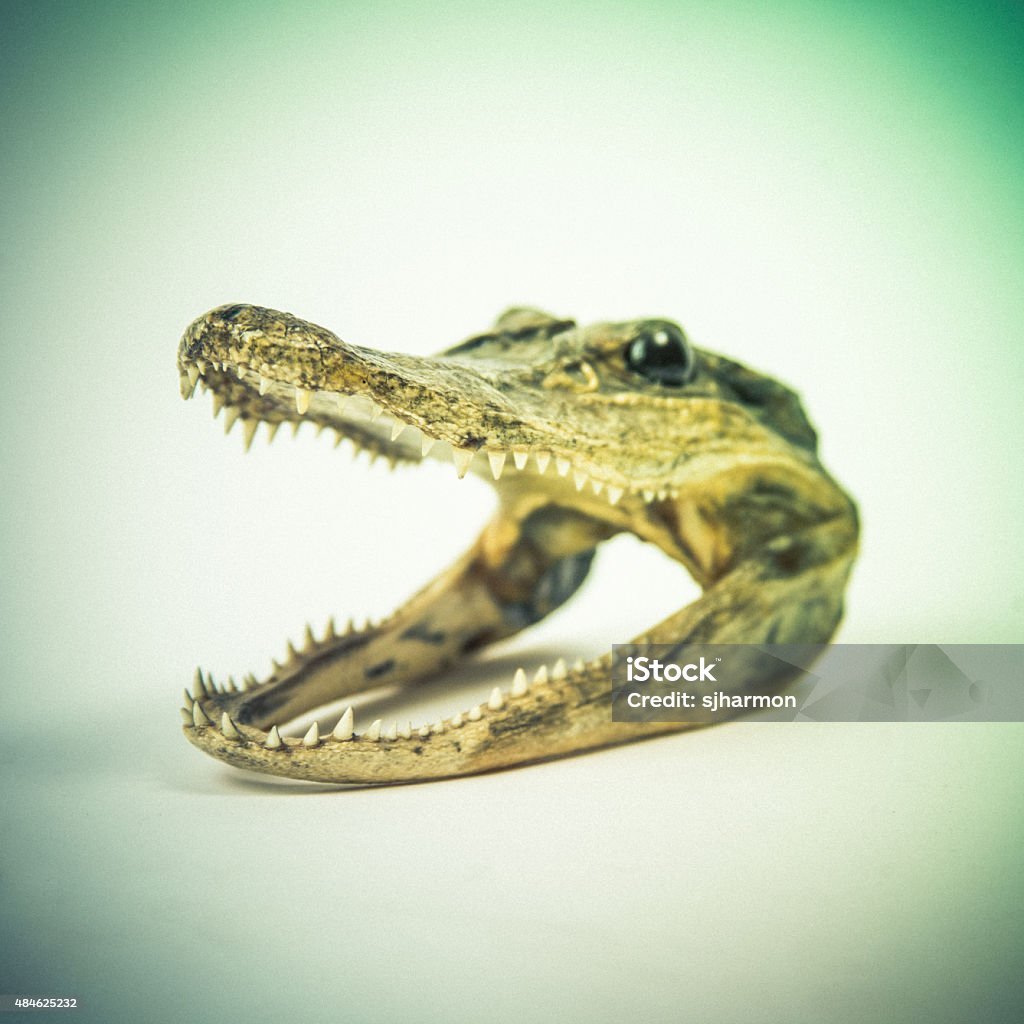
<point>720,472</point>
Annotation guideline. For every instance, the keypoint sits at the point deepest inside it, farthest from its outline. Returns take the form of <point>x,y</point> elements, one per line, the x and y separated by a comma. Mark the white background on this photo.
<point>819,199</point>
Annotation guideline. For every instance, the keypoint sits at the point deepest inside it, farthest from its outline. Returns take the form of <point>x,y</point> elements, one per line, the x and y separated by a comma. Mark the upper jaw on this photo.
<point>270,367</point>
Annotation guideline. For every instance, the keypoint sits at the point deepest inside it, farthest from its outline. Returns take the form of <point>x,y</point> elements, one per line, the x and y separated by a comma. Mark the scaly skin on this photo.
<point>583,441</point>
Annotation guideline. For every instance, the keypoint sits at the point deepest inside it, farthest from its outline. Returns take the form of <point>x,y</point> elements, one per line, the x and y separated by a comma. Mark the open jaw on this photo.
<point>499,409</point>
<point>264,367</point>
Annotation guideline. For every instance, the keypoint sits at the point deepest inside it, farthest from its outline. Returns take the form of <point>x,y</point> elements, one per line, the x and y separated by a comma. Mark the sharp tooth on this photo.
<point>428,443</point>
<point>249,431</point>
<point>231,688</point>
<point>579,478</point>
<point>519,684</point>
<point>292,652</point>
<point>519,457</point>
<point>578,666</point>
<point>310,640</point>
<point>239,371</point>
<point>542,675</point>
<point>456,721</point>
<point>462,458</point>
<point>562,465</point>
<point>338,438</point>
<point>231,417</point>
<point>596,485</point>
<point>193,374</point>
<point>392,732</point>
<point>343,730</point>
<point>297,425</point>
<point>199,685</point>
<point>496,701</point>
<point>543,459</point>
<point>273,740</point>
<point>218,404</point>
<point>396,430</point>
<point>186,715</point>
<point>312,737</point>
<point>559,671</point>
<point>497,461</point>
<point>228,727</point>
<point>648,496</point>
<point>373,733</point>
<point>201,366</point>
<point>249,680</point>
<point>329,631</point>
<point>264,384</point>
<point>614,493</point>
<point>350,627</point>
<point>199,716</point>
<point>188,699</point>
<point>301,400</point>
<point>272,429</point>
<point>215,364</point>
<point>406,731</point>
<point>375,412</point>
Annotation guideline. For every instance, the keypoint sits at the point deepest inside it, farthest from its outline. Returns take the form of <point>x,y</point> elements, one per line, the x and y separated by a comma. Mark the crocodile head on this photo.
<point>585,432</point>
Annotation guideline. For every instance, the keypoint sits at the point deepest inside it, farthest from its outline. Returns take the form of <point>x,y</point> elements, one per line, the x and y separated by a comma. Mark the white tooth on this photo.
<point>198,684</point>
<point>559,670</point>
<point>228,727</point>
<point>273,740</point>
<point>462,458</point>
<point>542,675</point>
<point>201,366</point>
<point>292,652</point>
<point>249,431</point>
<point>423,732</point>
<point>199,716</point>
<point>392,732</point>
<point>272,429</point>
<point>519,684</point>
<point>375,412</point>
<point>578,666</point>
<point>396,430</point>
<point>301,400</point>
<point>231,417</point>
<point>186,715</point>
<point>648,496</point>
<point>215,364</point>
<point>312,737</point>
<point>474,714</point>
<point>614,493</point>
<point>562,465</point>
<point>297,425</point>
<point>188,699</point>
<point>438,727</point>
<point>373,733</point>
<point>496,701</point>
<point>428,443</point>
<point>543,458</point>
<point>519,457</point>
<point>338,438</point>
<point>596,485</point>
<point>239,371</point>
<point>218,404</point>
<point>343,730</point>
<point>663,494</point>
<point>497,461</point>
<point>193,374</point>
<point>406,731</point>
<point>579,478</point>
<point>456,721</point>
<point>341,399</point>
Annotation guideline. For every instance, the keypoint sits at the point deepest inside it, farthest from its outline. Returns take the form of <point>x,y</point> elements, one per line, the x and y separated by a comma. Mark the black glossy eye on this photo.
<point>662,354</point>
